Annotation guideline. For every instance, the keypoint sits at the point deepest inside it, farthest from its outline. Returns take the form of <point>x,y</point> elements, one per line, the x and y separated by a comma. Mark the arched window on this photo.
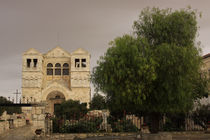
<point>57,69</point>
<point>57,97</point>
<point>49,69</point>
<point>65,69</point>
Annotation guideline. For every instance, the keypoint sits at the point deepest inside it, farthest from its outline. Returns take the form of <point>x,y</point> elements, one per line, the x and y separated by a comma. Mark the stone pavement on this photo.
<point>201,136</point>
<point>21,133</point>
<point>174,137</point>
<point>25,133</point>
<point>128,136</point>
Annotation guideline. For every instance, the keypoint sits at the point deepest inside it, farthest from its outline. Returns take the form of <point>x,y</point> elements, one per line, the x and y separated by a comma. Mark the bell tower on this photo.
<point>80,74</point>
<point>31,76</point>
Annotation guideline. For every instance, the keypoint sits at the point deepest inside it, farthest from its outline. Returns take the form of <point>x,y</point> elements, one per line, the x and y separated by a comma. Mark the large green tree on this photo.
<point>124,74</point>
<point>171,35</point>
<point>158,70</point>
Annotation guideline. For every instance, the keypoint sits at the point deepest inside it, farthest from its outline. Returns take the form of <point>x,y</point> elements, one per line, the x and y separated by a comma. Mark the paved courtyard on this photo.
<point>22,133</point>
<point>191,136</point>
<point>25,133</point>
<point>174,137</point>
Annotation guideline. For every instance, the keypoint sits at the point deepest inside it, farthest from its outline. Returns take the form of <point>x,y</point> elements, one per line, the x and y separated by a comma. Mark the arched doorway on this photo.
<point>54,99</point>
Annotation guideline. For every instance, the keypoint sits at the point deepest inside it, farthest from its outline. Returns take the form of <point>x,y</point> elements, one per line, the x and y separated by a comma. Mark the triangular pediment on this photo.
<point>57,52</point>
<point>32,51</point>
<point>80,51</point>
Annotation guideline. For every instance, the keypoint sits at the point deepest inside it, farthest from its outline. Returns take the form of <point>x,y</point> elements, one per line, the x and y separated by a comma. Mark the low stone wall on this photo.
<point>11,121</point>
<point>4,126</point>
<point>19,122</point>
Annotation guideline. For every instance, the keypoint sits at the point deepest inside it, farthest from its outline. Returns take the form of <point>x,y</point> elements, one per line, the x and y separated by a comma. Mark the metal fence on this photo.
<point>96,122</point>
<point>104,122</point>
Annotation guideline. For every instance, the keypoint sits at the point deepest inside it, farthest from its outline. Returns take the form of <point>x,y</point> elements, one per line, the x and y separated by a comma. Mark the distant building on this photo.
<point>55,76</point>
<point>206,69</point>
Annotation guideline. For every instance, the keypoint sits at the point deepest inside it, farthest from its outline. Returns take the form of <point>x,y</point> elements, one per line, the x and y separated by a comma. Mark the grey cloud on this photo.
<point>90,24</point>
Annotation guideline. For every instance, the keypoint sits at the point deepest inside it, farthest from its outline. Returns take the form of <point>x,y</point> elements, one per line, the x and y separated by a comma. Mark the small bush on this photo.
<point>82,126</point>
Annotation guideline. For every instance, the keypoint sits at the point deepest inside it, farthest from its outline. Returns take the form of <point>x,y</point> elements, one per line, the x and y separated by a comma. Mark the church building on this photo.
<point>55,76</point>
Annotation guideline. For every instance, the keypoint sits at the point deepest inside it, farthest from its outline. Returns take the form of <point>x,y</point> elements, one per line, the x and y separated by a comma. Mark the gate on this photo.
<point>48,124</point>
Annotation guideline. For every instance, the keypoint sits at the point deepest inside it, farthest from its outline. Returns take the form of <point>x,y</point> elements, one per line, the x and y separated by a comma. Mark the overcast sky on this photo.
<point>88,24</point>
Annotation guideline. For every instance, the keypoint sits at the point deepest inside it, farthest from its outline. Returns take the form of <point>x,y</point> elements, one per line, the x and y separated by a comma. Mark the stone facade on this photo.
<point>206,64</point>
<point>55,76</point>
<point>206,69</point>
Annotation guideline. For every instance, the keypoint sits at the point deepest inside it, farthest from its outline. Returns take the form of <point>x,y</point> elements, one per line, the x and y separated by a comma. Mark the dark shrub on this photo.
<point>174,122</point>
<point>71,109</point>
<point>201,116</point>
<point>123,125</point>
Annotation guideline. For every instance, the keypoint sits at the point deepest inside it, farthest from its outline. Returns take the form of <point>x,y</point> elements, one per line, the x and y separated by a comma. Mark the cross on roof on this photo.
<point>16,93</point>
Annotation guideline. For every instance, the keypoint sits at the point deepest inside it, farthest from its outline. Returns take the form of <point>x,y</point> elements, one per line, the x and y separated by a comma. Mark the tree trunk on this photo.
<point>154,119</point>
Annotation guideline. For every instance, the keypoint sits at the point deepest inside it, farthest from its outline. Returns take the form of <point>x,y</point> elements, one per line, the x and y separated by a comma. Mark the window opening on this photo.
<point>49,69</point>
<point>28,63</point>
<point>35,62</point>
<point>65,69</point>
<point>57,69</point>
<point>57,97</point>
<point>65,65</point>
<point>49,65</point>
<point>83,63</point>
<point>76,63</point>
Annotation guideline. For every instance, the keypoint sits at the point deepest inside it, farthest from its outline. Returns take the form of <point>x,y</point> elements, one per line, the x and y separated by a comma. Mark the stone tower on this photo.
<point>32,62</point>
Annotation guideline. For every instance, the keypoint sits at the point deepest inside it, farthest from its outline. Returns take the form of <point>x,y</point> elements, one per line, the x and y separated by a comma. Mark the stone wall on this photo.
<point>206,70</point>
<point>11,121</point>
<point>19,122</point>
<point>38,117</point>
